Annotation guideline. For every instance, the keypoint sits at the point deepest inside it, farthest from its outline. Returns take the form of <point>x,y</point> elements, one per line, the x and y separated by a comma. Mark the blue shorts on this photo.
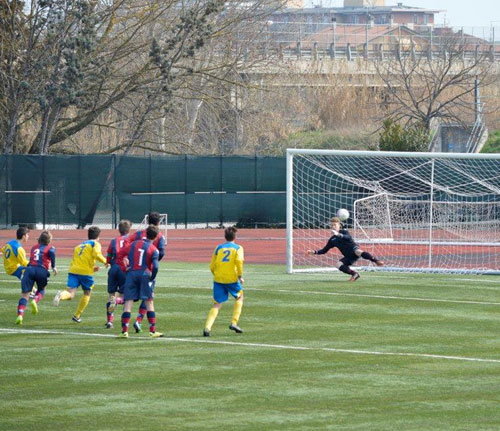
<point>34,274</point>
<point>19,272</point>
<point>75,280</point>
<point>138,286</point>
<point>221,291</point>
<point>116,279</point>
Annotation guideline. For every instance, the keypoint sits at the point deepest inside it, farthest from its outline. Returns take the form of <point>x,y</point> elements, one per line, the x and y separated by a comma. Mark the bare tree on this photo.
<point>434,83</point>
<point>75,65</point>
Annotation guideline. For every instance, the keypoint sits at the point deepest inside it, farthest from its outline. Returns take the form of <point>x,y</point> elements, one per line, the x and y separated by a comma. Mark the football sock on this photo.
<point>152,321</point>
<point>82,304</point>
<point>39,295</point>
<point>142,312</point>
<point>65,296</point>
<point>21,306</point>
<point>368,256</point>
<point>238,305</point>
<point>108,314</point>
<point>212,315</point>
<point>346,270</point>
<point>125,321</point>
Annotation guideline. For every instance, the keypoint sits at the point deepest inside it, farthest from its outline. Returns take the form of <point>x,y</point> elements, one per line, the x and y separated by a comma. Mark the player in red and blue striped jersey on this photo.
<point>141,257</point>
<point>116,275</point>
<point>153,218</point>
<point>42,257</point>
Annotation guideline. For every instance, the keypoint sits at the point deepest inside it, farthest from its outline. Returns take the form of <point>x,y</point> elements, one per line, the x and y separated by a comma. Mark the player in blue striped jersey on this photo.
<point>116,274</point>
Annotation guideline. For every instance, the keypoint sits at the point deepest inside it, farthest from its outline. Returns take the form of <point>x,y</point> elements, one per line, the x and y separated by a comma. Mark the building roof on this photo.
<point>359,10</point>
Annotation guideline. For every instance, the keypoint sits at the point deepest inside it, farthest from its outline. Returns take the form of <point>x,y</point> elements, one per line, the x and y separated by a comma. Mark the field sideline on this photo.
<point>392,351</point>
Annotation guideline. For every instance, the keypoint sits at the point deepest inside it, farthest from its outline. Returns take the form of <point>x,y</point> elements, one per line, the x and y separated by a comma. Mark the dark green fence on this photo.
<point>83,190</point>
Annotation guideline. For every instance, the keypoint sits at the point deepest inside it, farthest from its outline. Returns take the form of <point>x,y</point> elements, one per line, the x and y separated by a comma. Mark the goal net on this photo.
<point>432,212</point>
<point>163,224</point>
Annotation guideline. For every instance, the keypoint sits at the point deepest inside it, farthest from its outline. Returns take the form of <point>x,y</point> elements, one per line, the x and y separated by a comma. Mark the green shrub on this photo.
<point>395,137</point>
<point>492,145</point>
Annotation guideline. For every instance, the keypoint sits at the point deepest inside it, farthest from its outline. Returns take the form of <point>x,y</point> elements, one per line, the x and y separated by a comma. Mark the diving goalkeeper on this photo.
<point>345,243</point>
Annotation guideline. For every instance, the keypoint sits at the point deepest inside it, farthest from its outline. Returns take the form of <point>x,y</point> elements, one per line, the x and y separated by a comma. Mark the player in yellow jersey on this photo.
<point>227,268</point>
<point>81,270</point>
<point>14,256</point>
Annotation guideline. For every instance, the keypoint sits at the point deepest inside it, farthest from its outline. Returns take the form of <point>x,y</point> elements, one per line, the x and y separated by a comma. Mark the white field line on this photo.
<point>312,292</point>
<point>260,345</point>
<point>360,295</point>
<point>386,276</point>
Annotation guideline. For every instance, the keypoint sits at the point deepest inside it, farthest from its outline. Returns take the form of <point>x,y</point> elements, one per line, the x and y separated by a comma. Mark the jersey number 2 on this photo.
<point>226,255</point>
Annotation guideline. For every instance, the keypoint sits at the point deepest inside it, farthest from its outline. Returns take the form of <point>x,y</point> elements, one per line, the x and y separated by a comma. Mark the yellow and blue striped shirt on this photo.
<point>227,263</point>
<point>85,256</point>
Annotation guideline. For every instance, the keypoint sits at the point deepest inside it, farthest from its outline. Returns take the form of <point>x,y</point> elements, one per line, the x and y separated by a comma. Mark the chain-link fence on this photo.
<point>370,41</point>
<point>75,191</point>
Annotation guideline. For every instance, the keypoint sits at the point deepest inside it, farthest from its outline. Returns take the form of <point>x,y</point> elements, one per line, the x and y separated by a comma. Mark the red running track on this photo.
<point>183,245</point>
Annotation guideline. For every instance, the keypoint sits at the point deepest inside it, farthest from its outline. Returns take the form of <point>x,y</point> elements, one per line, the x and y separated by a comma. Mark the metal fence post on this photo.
<point>43,194</point>
<point>185,191</point>
<point>221,194</point>
<point>113,194</point>
<point>7,195</point>
<point>80,192</point>
<point>150,182</point>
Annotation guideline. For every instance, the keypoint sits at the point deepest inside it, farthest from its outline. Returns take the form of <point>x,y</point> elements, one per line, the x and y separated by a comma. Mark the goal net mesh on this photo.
<point>417,213</point>
<point>162,225</point>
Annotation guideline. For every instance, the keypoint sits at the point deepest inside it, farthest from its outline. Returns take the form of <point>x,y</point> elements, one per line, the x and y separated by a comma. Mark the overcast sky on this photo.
<point>458,12</point>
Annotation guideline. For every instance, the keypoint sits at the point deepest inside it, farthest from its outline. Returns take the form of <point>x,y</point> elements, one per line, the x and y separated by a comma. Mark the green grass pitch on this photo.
<point>389,352</point>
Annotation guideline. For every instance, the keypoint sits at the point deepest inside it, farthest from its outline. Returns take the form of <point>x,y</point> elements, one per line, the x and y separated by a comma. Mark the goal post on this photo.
<point>425,212</point>
<point>162,225</point>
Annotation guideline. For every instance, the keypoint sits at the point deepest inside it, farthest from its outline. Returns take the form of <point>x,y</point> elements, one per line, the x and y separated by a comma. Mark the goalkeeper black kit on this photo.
<point>343,241</point>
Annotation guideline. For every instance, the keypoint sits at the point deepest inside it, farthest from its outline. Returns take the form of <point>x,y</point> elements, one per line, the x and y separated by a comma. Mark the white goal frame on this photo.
<point>432,203</point>
<point>163,224</point>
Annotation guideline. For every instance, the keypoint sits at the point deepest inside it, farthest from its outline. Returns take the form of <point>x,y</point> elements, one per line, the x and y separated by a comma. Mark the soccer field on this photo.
<point>391,351</point>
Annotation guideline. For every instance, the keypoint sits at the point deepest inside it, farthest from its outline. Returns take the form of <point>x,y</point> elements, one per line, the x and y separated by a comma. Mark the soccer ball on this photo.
<point>343,214</point>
